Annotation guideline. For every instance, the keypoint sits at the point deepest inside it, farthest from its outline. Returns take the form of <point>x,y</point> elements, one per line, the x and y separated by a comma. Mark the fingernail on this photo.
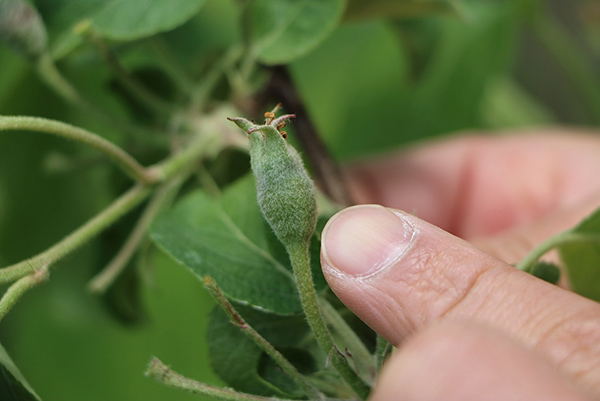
<point>363,240</point>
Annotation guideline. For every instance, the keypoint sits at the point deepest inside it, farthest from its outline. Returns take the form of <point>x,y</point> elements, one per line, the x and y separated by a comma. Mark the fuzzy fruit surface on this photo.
<point>285,192</point>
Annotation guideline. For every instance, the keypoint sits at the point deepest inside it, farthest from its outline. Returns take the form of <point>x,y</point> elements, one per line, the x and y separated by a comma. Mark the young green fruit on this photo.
<point>285,192</point>
<point>286,196</point>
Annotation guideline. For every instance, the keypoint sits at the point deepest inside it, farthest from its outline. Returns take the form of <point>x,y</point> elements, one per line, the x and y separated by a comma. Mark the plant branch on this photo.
<point>103,280</point>
<point>124,160</point>
<point>15,291</point>
<point>260,341</point>
<point>48,72</point>
<point>50,75</point>
<point>383,349</point>
<point>300,259</point>
<point>192,152</point>
<point>116,210</point>
<point>564,238</point>
<point>160,173</point>
<point>204,88</point>
<point>159,371</point>
<point>356,346</point>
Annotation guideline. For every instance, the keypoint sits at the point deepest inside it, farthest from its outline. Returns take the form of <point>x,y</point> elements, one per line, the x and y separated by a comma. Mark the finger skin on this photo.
<point>468,362</point>
<point>439,277</point>
<point>476,185</point>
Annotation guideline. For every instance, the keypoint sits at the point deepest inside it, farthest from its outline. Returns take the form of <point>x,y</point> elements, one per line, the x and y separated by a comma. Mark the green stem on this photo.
<point>192,152</point>
<point>164,374</point>
<point>15,291</point>
<point>53,78</point>
<point>208,182</point>
<point>124,160</point>
<point>260,341</point>
<point>163,171</point>
<point>568,55</point>
<point>49,74</point>
<point>100,283</point>
<point>356,346</point>
<point>300,259</point>
<point>564,238</point>
<point>205,87</point>
<point>382,350</point>
<point>116,210</point>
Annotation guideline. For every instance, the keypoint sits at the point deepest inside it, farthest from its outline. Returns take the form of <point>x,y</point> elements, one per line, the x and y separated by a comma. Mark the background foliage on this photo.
<point>420,68</point>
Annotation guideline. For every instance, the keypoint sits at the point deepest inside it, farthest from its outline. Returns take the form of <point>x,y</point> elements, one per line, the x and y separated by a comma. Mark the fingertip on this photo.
<point>363,240</point>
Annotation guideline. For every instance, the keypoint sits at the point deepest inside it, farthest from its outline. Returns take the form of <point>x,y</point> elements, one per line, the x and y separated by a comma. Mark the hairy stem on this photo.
<point>93,227</point>
<point>15,291</point>
<point>356,346</point>
<point>382,350</point>
<point>103,280</point>
<point>162,172</point>
<point>48,72</point>
<point>52,77</point>
<point>192,152</point>
<point>260,341</point>
<point>300,259</point>
<point>564,238</point>
<point>164,374</point>
<point>203,89</point>
<point>124,160</point>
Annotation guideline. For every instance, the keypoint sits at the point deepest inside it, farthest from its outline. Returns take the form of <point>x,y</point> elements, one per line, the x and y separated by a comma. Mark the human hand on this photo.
<point>468,325</point>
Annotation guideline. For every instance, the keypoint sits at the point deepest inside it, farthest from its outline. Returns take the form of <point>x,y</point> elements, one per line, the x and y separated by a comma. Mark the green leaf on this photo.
<point>13,386</point>
<point>507,104</point>
<point>582,258</point>
<point>546,271</point>
<point>243,366</point>
<point>430,82</point>
<point>116,19</point>
<point>284,30</point>
<point>359,10</point>
<point>134,19</point>
<point>227,239</point>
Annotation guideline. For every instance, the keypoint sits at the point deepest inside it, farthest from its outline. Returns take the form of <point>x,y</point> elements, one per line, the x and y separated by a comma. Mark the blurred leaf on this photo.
<point>13,386</point>
<point>206,35</point>
<point>284,30</point>
<point>104,360</point>
<point>14,69</point>
<point>359,10</point>
<point>507,105</point>
<point>114,19</point>
<point>242,365</point>
<point>546,271</point>
<point>364,107</point>
<point>227,239</point>
<point>134,19</point>
<point>22,28</point>
<point>582,259</point>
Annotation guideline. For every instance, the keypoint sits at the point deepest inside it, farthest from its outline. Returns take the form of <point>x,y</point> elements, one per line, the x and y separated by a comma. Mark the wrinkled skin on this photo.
<point>467,324</point>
